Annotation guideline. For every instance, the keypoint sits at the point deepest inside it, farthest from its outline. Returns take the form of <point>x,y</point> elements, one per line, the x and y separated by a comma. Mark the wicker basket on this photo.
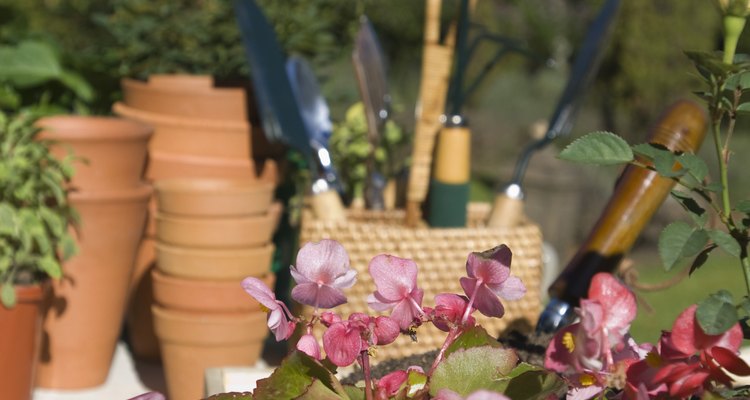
<point>441,257</point>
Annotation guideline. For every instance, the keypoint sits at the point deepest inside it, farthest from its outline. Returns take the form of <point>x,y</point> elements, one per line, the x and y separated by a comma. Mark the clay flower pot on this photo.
<point>19,341</point>
<point>192,342</point>
<point>84,316</point>
<point>181,294</point>
<point>227,232</point>
<point>170,166</point>
<point>213,197</point>
<point>215,264</point>
<point>113,150</point>
<point>186,135</point>
<point>190,100</point>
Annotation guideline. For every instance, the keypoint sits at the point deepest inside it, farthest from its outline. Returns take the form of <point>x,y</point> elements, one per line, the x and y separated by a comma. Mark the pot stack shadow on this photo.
<point>210,234</point>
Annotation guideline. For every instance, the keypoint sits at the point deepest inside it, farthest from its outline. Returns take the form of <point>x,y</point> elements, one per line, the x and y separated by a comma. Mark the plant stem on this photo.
<point>733,26</point>
<point>364,360</point>
<point>452,335</point>
<point>745,261</point>
<point>727,208</point>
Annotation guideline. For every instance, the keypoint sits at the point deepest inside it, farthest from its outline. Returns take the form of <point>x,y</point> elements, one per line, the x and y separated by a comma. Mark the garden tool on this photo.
<point>637,195</point>
<point>279,112</point>
<point>507,209</point>
<point>369,67</point>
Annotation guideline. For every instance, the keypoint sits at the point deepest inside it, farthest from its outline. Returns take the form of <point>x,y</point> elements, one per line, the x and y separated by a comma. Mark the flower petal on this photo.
<point>683,336</point>
<point>346,280</point>
<point>559,357</point>
<point>378,303</point>
<point>618,301</point>
<point>260,292</point>
<point>511,289</point>
<point>394,277</point>
<point>386,330</point>
<point>298,278</point>
<point>308,345</point>
<point>322,261</point>
<point>489,270</point>
<point>391,383</point>
<point>730,361</point>
<point>404,314</point>
<point>487,303</point>
<point>342,345</point>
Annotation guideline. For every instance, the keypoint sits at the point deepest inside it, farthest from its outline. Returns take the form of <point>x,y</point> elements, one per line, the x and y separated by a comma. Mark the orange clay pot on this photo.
<point>111,151</point>
<point>170,166</point>
<point>213,197</point>
<point>192,342</point>
<point>207,296</point>
<point>84,315</point>
<point>214,264</point>
<point>226,232</point>
<point>139,321</point>
<point>20,332</point>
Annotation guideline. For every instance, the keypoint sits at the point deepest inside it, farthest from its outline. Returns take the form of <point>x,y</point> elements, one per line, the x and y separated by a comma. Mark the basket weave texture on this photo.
<point>440,254</point>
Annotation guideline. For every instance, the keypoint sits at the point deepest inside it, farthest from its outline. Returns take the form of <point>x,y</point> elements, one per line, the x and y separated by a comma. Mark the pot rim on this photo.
<point>80,128</point>
<point>157,119</point>
<point>202,161</point>
<point>140,193</point>
<point>212,186</point>
<point>274,211</point>
<point>214,252</point>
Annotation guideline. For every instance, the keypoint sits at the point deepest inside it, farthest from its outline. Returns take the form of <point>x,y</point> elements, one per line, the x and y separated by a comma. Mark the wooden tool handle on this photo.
<point>638,194</point>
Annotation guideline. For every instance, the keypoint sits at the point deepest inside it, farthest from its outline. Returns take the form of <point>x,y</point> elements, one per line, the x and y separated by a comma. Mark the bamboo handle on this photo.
<point>638,194</point>
<point>432,21</point>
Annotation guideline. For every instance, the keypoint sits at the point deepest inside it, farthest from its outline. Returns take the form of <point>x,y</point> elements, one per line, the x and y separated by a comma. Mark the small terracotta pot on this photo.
<point>139,319</point>
<point>216,264</point>
<point>170,166</point>
<point>84,316</point>
<point>213,197</point>
<point>151,221</point>
<point>227,232</point>
<point>190,136</point>
<point>181,82</point>
<point>192,342</point>
<point>192,295</point>
<point>214,103</point>
<point>112,151</point>
<point>20,333</point>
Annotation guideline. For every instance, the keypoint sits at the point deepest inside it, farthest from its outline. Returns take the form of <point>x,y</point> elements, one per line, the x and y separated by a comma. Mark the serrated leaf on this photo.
<point>725,241</point>
<point>604,148</point>
<point>694,165</point>
<point>8,295</point>
<point>473,337</point>
<point>713,187</point>
<point>318,391</point>
<point>466,371</point>
<point>716,314</point>
<point>293,377</point>
<point>741,81</point>
<point>678,241</point>
<point>664,164</point>
<point>701,258</point>
<point>696,212</point>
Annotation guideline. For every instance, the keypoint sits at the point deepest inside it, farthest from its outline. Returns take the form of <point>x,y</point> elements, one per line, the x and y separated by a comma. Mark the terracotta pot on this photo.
<point>181,82</point>
<point>192,295</point>
<point>170,166</point>
<point>217,264</point>
<point>213,197</point>
<point>191,136</point>
<point>20,333</point>
<point>227,232</point>
<point>192,342</point>
<point>187,101</point>
<point>113,150</point>
<point>85,313</point>
<point>151,220</point>
<point>139,320</point>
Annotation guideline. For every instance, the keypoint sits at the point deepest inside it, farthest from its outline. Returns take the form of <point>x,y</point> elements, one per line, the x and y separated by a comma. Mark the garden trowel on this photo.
<point>638,194</point>
<point>279,112</point>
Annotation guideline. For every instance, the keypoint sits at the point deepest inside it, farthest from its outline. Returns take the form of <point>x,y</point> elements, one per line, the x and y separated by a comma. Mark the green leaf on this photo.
<point>709,64</point>
<point>318,391</point>
<point>293,378</point>
<point>603,148</point>
<point>745,305</point>
<point>68,246</point>
<point>474,337</point>
<point>466,371</point>
<point>743,206</point>
<point>713,187</point>
<point>231,396</point>
<point>717,313</point>
<point>696,212</point>
<point>29,64</point>
<point>743,108</point>
<point>694,165</point>
<point>51,266</point>
<point>77,84</point>
<point>8,224</point>
<point>528,382</point>
<point>354,392</point>
<point>725,241</point>
<point>678,241</point>
<point>415,382</point>
<point>8,295</point>
<point>741,81</point>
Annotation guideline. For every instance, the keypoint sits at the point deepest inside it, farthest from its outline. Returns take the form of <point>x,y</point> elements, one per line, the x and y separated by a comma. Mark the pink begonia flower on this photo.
<point>390,384</point>
<point>149,396</point>
<point>309,345</point>
<point>448,311</point>
<point>396,288</point>
<point>321,272</point>
<point>278,315</point>
<point>343,341</point>
<point>447,394</point>
<point>489,277</point>
<point>329,318</point>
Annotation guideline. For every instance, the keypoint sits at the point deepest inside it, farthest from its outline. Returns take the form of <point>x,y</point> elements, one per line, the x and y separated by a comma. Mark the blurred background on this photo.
<point>644,70</point>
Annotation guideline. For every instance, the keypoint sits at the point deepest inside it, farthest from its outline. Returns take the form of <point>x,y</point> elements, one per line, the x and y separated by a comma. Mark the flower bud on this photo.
<point>737,8</point>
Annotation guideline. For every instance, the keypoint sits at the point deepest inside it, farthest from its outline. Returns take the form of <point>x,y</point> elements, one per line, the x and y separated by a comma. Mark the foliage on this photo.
<point>34,210</point>
<point>350,149</point>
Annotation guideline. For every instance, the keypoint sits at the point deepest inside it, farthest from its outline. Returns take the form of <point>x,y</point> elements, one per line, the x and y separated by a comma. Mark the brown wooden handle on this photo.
<point>637,195</point>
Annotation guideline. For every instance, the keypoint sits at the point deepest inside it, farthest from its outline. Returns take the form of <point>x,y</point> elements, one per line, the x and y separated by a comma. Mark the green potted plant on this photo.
<point>34,240</point>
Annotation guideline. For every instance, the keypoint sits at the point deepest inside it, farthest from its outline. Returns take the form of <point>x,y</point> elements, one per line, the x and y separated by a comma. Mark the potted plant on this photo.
<point>34,240</point>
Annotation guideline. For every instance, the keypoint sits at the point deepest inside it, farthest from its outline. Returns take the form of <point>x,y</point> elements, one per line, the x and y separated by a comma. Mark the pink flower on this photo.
<point>278,315</point>
<point>448,311</point>
<point>149,396</point>
<point>396,283</point>
<point>321,272</point>
<point>308,345</point>
<point>343,341</point>
<point>489,277</point>
<point>391,383</point>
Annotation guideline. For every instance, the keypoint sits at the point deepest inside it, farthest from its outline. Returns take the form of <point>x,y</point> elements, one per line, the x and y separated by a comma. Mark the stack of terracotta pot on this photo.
<point>210,235</point>
<point>84,317</point>
<point>200,131</point>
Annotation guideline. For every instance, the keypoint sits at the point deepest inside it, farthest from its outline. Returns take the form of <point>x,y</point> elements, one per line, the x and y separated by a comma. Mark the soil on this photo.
<point>529,347</point>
